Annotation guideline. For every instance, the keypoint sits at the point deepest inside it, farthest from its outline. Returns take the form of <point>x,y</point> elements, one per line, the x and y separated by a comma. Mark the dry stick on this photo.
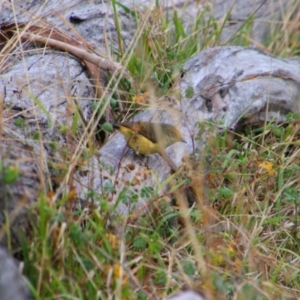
<point>103,63</point>
<point>86,56</point>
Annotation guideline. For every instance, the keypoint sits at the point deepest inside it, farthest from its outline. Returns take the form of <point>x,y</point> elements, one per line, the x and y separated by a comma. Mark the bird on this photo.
<point>150,138</point>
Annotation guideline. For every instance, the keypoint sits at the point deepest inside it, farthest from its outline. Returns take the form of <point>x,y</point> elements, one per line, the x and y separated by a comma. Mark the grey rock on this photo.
<point>12,285</point>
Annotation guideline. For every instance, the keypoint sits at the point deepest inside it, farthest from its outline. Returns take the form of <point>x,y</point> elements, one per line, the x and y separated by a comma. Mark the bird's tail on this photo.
<point>168,160</point>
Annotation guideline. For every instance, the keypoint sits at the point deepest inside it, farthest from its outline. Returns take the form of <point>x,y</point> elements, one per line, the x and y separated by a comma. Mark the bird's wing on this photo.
<point>150,131</point>
<point>145,129</point>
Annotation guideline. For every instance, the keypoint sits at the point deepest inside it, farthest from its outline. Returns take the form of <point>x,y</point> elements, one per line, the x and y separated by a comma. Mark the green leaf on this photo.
<point>188,267</point>
<point>225,192</point>
<point>107,127</point>
<point>19,122</point>
<point>9,175</point>
<point>109,187</point>
<point>189,92</point>
<point>147,191</point>
<point>139,243</point>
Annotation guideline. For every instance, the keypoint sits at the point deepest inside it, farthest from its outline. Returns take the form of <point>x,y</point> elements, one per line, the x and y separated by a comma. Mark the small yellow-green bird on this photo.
<point>149,138</point>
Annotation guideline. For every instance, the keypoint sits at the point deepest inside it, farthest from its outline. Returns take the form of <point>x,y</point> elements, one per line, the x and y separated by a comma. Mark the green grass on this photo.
<point>240,241</point>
